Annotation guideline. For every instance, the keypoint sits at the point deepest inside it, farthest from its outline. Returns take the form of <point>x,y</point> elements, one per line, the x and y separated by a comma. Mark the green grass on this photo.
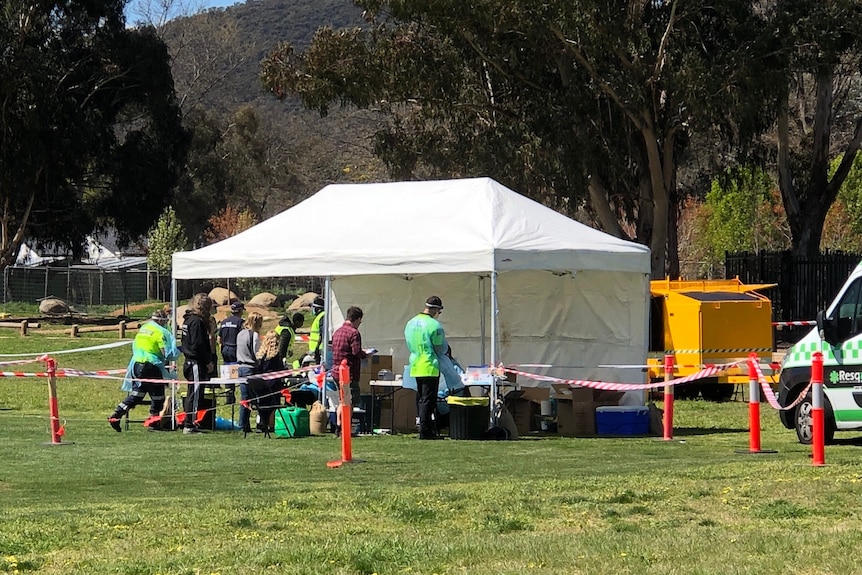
<point>148,503</point>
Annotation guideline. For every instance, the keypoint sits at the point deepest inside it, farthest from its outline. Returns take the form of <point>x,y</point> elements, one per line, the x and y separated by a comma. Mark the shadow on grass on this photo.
<point>857,441</point>
<point>686,431</point>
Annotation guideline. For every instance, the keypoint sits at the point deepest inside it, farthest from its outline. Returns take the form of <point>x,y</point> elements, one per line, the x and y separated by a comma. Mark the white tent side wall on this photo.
<point>574,321</point>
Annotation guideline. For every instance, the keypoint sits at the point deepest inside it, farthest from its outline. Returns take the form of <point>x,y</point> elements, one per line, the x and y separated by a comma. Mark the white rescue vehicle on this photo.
<point>838,336</point>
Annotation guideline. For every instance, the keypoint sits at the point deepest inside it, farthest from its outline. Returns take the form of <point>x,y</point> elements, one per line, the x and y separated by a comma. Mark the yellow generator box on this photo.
<point>709,322</point>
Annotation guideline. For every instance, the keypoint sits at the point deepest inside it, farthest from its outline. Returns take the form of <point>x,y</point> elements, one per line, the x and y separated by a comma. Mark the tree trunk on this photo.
<point>658,214</point>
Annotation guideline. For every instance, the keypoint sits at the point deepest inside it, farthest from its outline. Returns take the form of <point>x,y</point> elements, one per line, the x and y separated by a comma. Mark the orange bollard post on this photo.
<point>346,410</point>
<point>753,404</point>
<point>818,439</point>
<point>754,410</point>
<point>53,409</point>
<point>668,398</point>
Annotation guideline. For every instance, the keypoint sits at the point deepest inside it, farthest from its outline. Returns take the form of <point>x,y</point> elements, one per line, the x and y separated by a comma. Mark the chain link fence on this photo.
<point>80,286</point>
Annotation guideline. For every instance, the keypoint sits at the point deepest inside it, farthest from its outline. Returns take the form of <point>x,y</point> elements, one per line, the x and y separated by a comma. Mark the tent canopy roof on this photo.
<point>442,226</point>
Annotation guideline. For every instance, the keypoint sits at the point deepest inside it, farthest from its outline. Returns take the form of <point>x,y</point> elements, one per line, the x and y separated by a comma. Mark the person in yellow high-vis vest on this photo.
<point>153,348</point>
<point>318,329</point>
<point>426,341</point>
<point>286,330</point>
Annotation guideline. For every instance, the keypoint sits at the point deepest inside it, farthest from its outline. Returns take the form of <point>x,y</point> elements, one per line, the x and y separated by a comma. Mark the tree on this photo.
<point>566,100</point>
<point>164,239</point>
<point>743,213</point>
<point>228,164</point>
<point>842,229</point>
<point>89,125</point>
<point>228,223</point>
<point>820,113</point>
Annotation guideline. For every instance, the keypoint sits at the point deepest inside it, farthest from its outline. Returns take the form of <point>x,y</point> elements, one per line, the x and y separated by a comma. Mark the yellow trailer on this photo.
<point>708,322</point>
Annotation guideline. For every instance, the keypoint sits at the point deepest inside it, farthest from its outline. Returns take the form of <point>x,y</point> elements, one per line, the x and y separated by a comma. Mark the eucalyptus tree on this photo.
<point>575,102</point>
<point>90,133</point>
<point>819,109</point>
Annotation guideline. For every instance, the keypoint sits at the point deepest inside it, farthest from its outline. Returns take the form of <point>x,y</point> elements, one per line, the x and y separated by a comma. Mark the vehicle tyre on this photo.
<point>686,390</point>
<point>717,391</point>
<point>804,422</point>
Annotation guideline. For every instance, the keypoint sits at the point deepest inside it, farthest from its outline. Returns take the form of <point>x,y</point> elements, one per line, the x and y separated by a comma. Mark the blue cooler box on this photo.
<point>622,420</point>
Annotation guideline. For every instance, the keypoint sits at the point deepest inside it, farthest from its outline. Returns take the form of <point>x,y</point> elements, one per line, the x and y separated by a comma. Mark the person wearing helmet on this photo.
<point>318,329</point>
<point>426,341</point>
<point>228,330</point>
<point>153,348</point>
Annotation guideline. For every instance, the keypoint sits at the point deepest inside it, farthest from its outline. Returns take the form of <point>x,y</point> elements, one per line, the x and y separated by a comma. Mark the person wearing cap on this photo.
<point>228,330</point>
<point>318,329</point>
<point>426,341</point>
<point>153,348</point>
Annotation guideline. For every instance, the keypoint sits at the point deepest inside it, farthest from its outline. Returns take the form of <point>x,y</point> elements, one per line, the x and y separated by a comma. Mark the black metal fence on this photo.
<point>805,285</point>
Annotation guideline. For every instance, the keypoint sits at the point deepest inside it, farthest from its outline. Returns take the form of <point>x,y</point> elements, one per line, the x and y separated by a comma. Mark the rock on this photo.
<point>222,296</point>
<point>53,306</point>
<point>263,299</point>
<point>303,302</point>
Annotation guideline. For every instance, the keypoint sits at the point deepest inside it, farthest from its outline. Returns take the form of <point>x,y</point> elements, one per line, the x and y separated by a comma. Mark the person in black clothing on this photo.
<point>227,331</point>
<point>286,331</point>
<point>199,358</point>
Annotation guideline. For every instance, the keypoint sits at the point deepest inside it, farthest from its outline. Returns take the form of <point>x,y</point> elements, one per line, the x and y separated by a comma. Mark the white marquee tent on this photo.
<point>564,294</point>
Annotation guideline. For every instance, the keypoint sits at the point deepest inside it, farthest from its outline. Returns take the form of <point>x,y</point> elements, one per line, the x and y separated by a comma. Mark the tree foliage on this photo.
<point>820,113</point>
<point>89,125</point>
<point>228,223</point>
<point>164,239</point>
<point>564,100</point>
<point>743,213</point>
<point>231,162</point>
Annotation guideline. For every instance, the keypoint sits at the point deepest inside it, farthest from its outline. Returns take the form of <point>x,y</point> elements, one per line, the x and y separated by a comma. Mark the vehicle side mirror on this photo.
<point>828,328</point>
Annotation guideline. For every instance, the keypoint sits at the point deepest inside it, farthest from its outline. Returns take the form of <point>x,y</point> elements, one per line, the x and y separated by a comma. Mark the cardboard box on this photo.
<point>369,369</point>
<point>525,406</point>
<point>404,401</point>
<point>229,371</point>
<point>576,408</point>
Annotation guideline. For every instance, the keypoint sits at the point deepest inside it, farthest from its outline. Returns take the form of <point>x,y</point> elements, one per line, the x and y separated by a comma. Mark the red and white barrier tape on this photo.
<point>770,395</point>
<point>793,323</point>
<point>708,371</point>
<point>23,361</point>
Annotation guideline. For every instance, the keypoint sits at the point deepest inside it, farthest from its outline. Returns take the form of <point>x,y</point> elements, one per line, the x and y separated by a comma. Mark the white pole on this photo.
<point>482,306</point>
<point>325,329</point>
<point>494,329</point>
<point>176,335</point>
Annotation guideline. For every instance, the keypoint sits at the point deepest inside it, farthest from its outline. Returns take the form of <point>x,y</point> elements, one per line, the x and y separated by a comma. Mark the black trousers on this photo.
<point>140,389</point>
<point>193,396</point>
<point>427,402</point>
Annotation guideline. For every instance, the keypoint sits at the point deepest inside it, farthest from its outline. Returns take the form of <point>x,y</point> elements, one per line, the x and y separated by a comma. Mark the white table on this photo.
<point>389,388</point>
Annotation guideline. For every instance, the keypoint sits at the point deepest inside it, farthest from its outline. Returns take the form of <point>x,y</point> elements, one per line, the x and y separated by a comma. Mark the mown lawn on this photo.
<point>148,503</point>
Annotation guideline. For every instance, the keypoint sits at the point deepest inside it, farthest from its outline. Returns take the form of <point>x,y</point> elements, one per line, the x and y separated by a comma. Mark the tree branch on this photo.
<point>571,46</point>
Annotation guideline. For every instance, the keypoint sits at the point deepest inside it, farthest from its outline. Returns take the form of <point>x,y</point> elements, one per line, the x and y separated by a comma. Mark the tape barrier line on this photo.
<point>770,395</point>
<point>78,350</point>
<point>793,323</point>
<point>724,350</point>
<point>105,374</point>
<point>23,361</point>
<point>706,372</point>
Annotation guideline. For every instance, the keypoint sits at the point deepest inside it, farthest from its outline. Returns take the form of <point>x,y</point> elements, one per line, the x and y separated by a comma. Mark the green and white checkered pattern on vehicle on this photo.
<point>800,354</point>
